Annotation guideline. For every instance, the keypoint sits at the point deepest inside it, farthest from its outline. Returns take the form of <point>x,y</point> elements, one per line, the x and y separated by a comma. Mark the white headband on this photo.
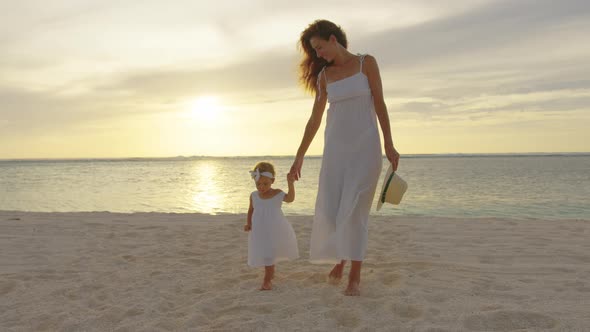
<point>255,174</point>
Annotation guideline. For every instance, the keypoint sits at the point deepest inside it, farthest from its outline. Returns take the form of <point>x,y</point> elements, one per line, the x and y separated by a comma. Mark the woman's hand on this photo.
<point>392,156</point>
<point>296,168</point>
<point>247,227</point>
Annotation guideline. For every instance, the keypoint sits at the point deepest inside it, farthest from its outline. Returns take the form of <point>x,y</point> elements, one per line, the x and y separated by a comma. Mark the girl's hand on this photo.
<point>247,228</point>
<point>296,168</point>
<point>392,156</point>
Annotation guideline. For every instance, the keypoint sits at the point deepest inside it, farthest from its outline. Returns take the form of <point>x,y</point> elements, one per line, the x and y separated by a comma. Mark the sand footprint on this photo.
<point>501,287</point>
<point>485,259</point>
<point>345,318</point>
<point>316,278</point>
<point>129,258</point>
<point>508,320</point>
<point>390,279</point>
<point>300,275</point>
<point>437,298</point>
<point>191,261</point>
<point>249,276</point>
<point>47,322</point>
<point>491,307</point>
<point>145,228</point>
<point>7,286</point>
<point>406,311</point>
<point>197,291</point>
<point>135,311</point>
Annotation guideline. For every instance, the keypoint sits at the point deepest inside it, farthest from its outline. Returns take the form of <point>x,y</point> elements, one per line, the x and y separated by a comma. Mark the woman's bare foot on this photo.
<point>353,289</point>
<point>354,279</point>
<point>266,285</point>
<point>336,274</point>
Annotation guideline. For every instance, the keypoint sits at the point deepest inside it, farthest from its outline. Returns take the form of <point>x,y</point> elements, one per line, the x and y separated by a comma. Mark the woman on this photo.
<point>351,162</point>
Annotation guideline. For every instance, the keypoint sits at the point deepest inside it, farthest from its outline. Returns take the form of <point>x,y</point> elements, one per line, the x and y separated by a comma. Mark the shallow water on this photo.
<point>516,186</point>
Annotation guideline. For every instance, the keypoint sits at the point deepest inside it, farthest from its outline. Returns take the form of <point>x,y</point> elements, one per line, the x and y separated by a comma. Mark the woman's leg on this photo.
<point>354,279</point>
<point>336,273</point>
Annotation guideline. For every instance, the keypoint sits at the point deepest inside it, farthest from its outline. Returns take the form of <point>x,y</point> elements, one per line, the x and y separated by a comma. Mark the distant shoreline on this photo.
<point>183,158</point>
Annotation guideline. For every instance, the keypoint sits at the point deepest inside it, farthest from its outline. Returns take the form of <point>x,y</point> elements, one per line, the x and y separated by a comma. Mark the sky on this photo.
<point>109,79</point>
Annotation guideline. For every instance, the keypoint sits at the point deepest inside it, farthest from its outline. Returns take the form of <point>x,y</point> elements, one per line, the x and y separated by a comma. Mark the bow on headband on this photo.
<point>255,174</point>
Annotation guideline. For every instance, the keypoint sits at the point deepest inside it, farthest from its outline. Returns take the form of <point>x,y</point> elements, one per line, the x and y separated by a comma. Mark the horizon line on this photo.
<point>182,157</point>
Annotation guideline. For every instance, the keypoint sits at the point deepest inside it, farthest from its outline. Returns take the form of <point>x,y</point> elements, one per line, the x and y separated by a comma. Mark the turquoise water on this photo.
<point>516,186</point>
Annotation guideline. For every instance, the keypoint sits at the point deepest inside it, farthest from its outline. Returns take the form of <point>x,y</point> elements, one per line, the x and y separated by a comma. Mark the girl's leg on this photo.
<point>269,272</point>
<point>336,273</point>
<point>354,279</point>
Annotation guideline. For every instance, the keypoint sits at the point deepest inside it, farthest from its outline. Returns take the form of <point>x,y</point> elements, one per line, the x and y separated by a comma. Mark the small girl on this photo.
<point>271,238</point>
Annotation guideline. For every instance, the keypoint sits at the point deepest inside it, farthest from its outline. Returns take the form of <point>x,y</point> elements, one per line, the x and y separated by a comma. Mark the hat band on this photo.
<point>386,186</point>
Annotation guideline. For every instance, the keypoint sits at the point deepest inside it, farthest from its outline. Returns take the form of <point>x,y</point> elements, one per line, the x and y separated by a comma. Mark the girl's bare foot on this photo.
<point>353,289</point>
<point>336,274</point>
<point>269,274</point>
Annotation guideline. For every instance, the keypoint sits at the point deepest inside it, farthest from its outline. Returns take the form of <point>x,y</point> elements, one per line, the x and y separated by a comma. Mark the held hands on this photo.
<point>392,156</point>
<point>290,178</point>
<point>295,171</point>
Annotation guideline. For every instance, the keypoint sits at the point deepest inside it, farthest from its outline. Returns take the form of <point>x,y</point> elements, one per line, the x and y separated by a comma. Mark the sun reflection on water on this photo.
<point>207,198</point>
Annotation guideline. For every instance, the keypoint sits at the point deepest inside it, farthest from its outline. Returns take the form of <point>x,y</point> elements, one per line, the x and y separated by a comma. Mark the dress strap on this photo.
<point>361,60</point>
<point>318,80</point>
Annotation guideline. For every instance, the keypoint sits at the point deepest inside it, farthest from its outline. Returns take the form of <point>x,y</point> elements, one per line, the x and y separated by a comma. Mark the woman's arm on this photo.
<point>248,225</point>
<point>372,71</point>
<point>313,124</point>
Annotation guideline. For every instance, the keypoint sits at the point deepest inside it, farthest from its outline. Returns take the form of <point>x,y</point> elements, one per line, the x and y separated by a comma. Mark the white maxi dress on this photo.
<point>351,165</point>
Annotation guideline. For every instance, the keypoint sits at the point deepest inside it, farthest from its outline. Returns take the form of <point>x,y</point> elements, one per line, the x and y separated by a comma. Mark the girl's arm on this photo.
<point>290,197</point>
<point>248,225</point>
<point>372,72</point>
<point>313,124</point>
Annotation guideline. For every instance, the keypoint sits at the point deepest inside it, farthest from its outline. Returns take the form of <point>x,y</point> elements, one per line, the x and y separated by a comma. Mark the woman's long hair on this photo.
<point>311,65</point>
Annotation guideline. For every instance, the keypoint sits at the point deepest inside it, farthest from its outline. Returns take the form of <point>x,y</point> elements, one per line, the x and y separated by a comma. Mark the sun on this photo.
<point>206,108</point>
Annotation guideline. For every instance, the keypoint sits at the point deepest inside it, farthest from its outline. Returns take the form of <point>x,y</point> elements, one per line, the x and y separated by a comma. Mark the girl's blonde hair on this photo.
<point>265,166</point>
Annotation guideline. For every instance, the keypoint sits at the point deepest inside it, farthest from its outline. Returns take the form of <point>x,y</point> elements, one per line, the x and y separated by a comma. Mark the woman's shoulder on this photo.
<point>370,67</point>
<point>368,58</point>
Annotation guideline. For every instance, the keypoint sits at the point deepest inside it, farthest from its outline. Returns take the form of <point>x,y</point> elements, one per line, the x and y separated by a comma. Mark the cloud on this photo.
<point>477,61</point>
<point>484,44</point>
<point>484,29</point>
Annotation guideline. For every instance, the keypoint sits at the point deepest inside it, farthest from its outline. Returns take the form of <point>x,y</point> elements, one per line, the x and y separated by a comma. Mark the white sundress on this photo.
<point>271,238</point>
<point>351,165</point>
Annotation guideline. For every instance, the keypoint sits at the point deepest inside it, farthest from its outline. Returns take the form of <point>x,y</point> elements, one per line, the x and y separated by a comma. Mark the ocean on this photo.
<point>547,186</point>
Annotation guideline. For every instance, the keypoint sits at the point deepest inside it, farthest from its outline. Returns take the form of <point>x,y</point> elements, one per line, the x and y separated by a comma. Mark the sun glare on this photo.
<point>205,108</point>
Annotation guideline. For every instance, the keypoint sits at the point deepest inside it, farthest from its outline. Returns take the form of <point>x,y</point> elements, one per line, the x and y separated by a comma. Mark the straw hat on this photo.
<point>392,190</point>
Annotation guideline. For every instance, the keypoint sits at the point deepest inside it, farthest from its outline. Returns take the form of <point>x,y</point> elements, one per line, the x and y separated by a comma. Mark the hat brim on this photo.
<point>384,187</point>
<point>393,189</point>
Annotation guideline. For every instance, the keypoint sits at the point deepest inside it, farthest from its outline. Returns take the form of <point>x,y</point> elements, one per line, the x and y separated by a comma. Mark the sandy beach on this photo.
<point>105,271</point>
